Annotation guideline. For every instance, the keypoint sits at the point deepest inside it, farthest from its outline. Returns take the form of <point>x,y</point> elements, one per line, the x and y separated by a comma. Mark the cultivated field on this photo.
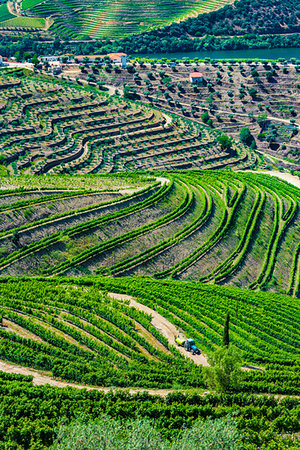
<point>52,126</point>
<point>115,19</point>
<point>263,96</point>
<point>213,226</point>
<point>73,330</point>
<point>110,248</point>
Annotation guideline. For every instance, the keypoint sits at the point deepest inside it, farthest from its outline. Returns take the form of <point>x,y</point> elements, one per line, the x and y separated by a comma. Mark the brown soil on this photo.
<point>41,379</point>
<point>166,328</point>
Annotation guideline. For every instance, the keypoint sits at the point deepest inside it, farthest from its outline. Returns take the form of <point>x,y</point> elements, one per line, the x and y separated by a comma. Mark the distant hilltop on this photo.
<point>96,19</point>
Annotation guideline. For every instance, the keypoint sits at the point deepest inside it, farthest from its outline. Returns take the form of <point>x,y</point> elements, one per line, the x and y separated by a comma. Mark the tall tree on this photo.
<point>226,331</point>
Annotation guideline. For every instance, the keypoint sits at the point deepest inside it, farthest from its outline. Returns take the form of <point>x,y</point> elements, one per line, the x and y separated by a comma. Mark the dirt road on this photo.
<point>166,328</point>
<point>41,379</point>
<point>292,179</point>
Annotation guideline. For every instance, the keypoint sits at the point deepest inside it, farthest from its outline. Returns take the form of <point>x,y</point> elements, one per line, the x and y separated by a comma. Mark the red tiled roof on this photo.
<point>110,56</point>
<point>196,74</point>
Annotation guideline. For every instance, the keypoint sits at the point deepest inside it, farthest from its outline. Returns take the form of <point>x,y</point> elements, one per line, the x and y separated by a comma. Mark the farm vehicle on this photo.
<point>188,345</point>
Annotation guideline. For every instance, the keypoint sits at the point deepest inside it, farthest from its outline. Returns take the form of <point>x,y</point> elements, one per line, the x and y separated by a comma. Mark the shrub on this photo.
<point>225,372</point>
<point>246,136</point>
<point>141,434</point>
<point>205,117</point>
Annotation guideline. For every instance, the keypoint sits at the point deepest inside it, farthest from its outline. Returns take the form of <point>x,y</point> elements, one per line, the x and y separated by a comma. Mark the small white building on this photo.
<point>196,77</point>
<point>115,58</point>
<point>118,58</point>
<point>49,58</point>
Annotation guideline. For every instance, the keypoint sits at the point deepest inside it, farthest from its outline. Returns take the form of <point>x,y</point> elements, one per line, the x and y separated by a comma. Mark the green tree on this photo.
<point>224,141</point>
<point>261,119</point>
<point>246,136</point>
<point>226,331</point>
<point>205,117</point>
<point>253,93</point>
<point>224,373</point>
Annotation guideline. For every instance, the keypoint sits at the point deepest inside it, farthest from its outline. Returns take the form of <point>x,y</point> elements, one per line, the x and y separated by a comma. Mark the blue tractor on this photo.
<point>190,346</point>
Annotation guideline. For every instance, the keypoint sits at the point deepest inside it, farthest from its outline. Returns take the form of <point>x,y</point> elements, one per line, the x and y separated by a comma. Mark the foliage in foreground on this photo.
<point>141,434</point>
<point>225,372</point>
<point>30,415</point>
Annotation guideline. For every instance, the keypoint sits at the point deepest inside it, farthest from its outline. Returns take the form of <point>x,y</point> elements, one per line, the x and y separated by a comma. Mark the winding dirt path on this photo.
<point>166,328</point>
<point>41,379</point>
<point>292,179</point>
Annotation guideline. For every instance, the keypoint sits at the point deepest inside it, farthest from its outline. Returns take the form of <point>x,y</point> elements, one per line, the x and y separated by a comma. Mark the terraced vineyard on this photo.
<point>52,126</point>
<point>75,331</point>
<point>219,227</point>
<point>114,19</point>
<point>263,96</point>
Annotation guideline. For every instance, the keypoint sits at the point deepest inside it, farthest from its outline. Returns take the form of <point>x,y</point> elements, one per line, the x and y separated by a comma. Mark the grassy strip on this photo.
<point>276,236</point>
<point>227,266</point>
<point>96,250</point>
<point>54,238</point>
<point>270,252</point>
<point>51,219</point>
<point>200,251</point>
<point>246,239</point>
<point>295,270</point>
<point>155,250</point>
<point>46,199</point>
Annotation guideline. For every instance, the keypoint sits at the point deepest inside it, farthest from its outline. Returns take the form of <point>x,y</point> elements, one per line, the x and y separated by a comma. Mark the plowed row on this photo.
<point>213,226</point>
<point>51,126</point>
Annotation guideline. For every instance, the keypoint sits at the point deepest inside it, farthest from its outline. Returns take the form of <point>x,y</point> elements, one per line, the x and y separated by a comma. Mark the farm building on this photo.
<point>196,77</point>
<point>49,58</point>
<point>118,58</point>
<point>115,58</point>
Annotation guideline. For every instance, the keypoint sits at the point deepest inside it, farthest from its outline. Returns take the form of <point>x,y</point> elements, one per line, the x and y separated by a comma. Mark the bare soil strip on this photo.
<point>41,379</point>
<point>292,179</point>
<point>166,328</point>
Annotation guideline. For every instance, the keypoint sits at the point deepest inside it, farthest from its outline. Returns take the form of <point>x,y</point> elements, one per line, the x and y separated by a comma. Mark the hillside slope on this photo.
<point>73,330</point>
<point>214,226</point>
<point>73,19</point>
<point>52,126</point>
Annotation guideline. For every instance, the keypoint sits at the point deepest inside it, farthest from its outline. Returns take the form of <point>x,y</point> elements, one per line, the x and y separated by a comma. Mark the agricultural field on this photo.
<point>262,96</point>
<point>33,413</point>
<point>218,227</point>
<point>127,221</point>
<point>86,331</point>
<point>4,13</point>
<point>73,19</point>
<point>21,22</point>
<point>51,126</point>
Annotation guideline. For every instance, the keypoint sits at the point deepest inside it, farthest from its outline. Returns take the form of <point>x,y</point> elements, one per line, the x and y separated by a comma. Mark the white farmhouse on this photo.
<point>196,77</point>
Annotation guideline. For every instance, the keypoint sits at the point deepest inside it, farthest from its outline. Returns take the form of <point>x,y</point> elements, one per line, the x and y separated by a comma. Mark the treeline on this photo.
<point>31,415</point>
<point>245,16</point>
<point>245,24</point>
<point>153,42</point>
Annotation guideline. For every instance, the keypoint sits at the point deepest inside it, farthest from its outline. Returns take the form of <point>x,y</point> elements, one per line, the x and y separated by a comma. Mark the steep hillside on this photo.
<point>213,226</point>
<point>260,95</point>
<point>73,19</point>
<point>52,126</point>
<point>244,17</point>
<point>73,330</point>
